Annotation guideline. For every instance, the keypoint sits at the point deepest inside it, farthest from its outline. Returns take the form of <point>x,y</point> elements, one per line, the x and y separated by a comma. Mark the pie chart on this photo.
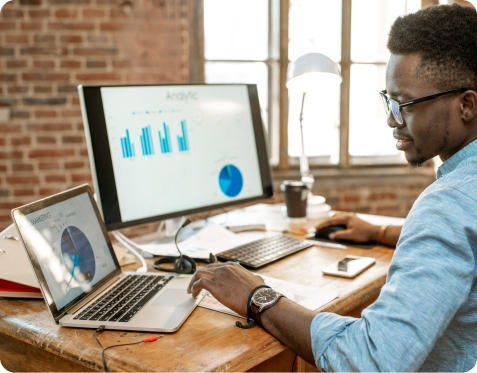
<point>77,254</point>
<point>230,180</point>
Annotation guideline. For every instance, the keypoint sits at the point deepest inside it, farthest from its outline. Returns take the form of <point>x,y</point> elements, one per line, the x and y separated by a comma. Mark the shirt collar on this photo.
<point>452,163</point>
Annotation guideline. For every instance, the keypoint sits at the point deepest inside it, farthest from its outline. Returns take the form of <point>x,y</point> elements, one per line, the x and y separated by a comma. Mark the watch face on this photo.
<point>264,296</point>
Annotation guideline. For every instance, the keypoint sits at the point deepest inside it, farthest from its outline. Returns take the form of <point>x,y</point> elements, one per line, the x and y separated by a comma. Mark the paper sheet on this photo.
<point>306,296</point>
<point>211,239</point>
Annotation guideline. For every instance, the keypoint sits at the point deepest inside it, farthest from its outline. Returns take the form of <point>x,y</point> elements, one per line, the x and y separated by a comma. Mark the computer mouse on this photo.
<point>325,232</point>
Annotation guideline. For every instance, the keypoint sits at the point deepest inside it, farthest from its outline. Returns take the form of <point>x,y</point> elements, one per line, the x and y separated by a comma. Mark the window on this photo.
<point>344,125</point>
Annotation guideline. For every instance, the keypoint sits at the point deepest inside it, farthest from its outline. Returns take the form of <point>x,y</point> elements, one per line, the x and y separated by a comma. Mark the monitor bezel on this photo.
<point>102,166</point>
<point>29,247</point>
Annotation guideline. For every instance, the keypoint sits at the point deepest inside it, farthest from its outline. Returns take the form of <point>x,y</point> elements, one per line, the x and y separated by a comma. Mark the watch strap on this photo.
<point>250,321</point>
<point>257,312</point>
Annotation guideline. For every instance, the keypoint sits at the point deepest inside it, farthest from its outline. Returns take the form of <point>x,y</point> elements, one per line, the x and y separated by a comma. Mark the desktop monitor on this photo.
<point>163,151</point>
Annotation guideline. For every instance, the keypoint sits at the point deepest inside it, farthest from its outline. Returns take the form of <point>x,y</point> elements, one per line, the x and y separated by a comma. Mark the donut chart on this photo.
<point>230,180</point>
<point>78,255</point>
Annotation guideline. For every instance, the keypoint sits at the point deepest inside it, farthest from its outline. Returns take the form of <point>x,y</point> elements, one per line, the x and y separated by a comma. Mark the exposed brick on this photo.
<point>84,26</point>
<point>121,64</point>
<point>8,77</point>
<point>93,13</point>
<point>31,26</point>
<point>46,140</point>
<point>54,127</point>
<point>71,39</point>
<point>120,26</point>
<point>11,155</point>
<point>77,178</point>
<point>55,178</point>
<point>72,139</point>
<point>45,114</point>
<point>10,205</point>
<point>20,114</point>
<point>4,193</point>
<point>45,51</point>
<point>6,26</point>
<point>18,167</point>
<point>95,64</point>
<point>67,89</point>
<point>71,113</point>
<point>44,192</point>
<point>70,64</point>
<point>16,64</point>
<point>44,38</point>
<point>12,13</point>
<point>44,153</point>
<point>7,51</point>
<point>44,101</point>
<point>44,64</point>
<point>39,13</point>
<point>30,2</point>
<point>99,77</point>
<point>23,179</point>
<point>351,198</point>
<point>20,141</point>
<point>75,100</point>
<point>97,39</point>
<point>17,39</point>
<point>42,89</point>
<point>73,165</point>
<point>69,2</point>
<point>66,13</point>
<point>23,192</point>
<point>49,166</point>
<point>95,51</point>
<point>46,77</point>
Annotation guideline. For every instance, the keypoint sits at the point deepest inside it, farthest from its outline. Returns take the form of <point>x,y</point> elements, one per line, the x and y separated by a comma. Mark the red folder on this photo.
<point>15,290</point>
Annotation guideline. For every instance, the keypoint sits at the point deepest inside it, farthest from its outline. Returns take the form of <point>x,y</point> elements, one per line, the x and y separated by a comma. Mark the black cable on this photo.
<point>293,364</point>
<point>187,222</point>
<point>100,329</point>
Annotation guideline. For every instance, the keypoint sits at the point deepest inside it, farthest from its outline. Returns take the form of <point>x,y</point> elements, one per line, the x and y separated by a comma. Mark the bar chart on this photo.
<point>146,141</point>
<point>183,141</point>
<point>165,142</point>
<point>127,147</point>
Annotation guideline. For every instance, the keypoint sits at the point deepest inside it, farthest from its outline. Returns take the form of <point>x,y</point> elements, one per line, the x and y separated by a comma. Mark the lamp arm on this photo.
<point>304,166</point>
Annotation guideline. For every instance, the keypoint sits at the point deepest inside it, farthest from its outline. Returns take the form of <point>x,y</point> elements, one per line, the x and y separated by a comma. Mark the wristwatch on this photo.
<point>263,299</point>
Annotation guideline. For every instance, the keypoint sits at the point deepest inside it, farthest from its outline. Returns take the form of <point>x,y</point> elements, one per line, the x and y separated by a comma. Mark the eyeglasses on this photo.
<point>395,107</point>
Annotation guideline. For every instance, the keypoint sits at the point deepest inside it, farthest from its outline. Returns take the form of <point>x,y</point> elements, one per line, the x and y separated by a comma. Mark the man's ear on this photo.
<point>469,105</point>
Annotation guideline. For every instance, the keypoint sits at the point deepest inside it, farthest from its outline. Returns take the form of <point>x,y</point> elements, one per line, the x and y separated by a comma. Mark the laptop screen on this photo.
<point>70,247</point>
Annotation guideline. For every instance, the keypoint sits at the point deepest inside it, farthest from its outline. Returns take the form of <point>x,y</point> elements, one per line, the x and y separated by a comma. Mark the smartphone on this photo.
<point>350,266</point>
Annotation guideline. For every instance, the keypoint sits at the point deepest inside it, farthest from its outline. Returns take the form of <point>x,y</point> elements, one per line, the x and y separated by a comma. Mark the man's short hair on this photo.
<point>445,37</point>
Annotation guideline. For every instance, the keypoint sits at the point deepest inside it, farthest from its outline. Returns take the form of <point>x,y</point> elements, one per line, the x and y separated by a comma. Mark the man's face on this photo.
<point>429,128</point>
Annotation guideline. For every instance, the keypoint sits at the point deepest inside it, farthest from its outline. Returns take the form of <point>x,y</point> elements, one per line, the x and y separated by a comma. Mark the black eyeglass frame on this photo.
<point>418,100</point>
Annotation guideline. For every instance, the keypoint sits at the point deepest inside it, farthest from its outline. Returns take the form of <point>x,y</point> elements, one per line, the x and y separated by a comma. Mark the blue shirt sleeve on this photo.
<point>429,279</point>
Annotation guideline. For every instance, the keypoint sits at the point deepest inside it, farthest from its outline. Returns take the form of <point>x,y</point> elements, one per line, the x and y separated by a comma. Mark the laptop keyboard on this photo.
<point>261,252</point>
<point>124,300</point>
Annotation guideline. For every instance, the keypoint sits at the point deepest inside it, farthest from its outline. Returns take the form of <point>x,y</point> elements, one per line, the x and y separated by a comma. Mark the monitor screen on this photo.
<point>162,151</point>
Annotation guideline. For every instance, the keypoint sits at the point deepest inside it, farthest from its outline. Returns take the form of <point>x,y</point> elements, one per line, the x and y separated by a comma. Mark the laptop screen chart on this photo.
<point>71,249</point>
<point>78,255</point>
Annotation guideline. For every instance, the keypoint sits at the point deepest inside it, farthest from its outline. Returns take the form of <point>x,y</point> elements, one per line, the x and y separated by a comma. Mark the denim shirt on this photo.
<point>425,318</point>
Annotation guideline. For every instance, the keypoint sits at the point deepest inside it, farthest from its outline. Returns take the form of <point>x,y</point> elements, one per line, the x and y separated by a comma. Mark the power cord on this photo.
<point>101,328</point>
<point>293,364</point>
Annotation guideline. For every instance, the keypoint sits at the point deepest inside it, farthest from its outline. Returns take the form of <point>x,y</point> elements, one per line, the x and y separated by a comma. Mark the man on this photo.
<point>426,315</point>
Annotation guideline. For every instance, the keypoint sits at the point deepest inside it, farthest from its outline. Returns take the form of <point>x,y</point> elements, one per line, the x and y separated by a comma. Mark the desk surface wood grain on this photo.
<point>208,340</point>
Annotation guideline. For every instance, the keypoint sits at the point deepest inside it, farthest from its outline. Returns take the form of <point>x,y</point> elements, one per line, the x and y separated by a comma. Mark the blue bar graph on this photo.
<point>165,142</point>
<point>146,141</point>
<point>127,147</point>
<point>183,141</point>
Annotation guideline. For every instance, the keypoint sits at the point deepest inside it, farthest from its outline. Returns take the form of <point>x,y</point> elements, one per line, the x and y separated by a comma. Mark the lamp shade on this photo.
<point>311,71</point>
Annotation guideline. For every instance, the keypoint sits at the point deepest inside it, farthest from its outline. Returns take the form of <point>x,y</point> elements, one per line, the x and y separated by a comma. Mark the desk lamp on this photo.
<point>310,72</point>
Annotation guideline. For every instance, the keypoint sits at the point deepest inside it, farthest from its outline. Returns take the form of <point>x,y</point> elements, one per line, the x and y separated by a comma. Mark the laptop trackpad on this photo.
<point>174,298</point>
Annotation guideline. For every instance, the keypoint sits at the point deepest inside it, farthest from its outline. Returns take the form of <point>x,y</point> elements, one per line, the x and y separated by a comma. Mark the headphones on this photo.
<point>182,264</point>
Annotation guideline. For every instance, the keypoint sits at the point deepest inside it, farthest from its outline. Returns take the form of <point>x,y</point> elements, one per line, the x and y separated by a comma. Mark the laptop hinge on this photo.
<point>80,304</point>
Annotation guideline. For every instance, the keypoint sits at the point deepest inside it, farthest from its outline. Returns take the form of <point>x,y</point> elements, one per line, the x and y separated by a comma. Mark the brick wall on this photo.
<point>47,48</point>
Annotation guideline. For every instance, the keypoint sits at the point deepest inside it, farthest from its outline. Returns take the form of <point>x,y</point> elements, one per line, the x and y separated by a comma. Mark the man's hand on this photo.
<point>229,283</point>
<point>357,229</point>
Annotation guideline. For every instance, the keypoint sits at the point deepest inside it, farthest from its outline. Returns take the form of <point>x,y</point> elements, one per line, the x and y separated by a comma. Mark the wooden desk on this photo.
<point>208,340</point>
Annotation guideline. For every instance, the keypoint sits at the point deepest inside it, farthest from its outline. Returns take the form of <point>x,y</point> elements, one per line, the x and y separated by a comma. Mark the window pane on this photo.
<point>371,21</point>
<point>236,30</point>
<point>369,133</point>
<point>321,115</point>
<point>241,72</point>
<point>314,26</point>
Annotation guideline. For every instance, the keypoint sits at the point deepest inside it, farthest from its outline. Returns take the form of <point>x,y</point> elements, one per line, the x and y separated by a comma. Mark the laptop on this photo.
<point>80,277</point>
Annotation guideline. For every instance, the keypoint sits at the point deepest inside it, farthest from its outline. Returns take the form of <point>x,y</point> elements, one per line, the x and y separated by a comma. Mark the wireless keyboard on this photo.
<point>262,252</point>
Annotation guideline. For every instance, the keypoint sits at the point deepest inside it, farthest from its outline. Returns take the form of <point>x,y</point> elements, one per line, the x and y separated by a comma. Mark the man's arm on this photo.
<point>231,284</point>
<point>358,230</point>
